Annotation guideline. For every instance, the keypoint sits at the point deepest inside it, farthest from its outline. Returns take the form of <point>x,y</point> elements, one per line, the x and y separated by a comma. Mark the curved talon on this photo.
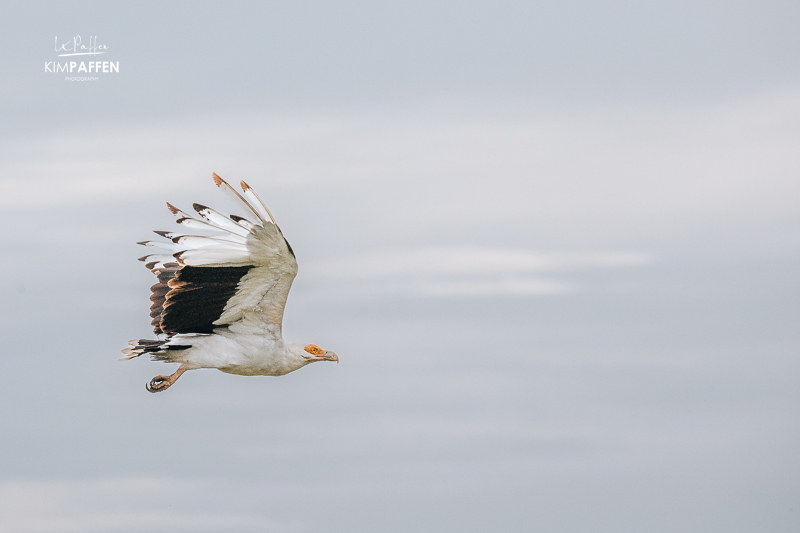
<point>158,384</point>
<point>162,383</point>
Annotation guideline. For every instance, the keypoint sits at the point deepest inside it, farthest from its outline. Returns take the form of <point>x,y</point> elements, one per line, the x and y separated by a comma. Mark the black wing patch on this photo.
<point>197,297</point>
<point>160,291</point>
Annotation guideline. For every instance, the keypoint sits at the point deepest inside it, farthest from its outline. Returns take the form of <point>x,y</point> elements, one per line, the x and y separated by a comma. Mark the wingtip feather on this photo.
<point>172,208</point>
<point>258,202</point>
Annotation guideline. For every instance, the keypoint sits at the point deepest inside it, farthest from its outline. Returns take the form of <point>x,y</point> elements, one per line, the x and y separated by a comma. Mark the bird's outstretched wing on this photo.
<point>238,274</point>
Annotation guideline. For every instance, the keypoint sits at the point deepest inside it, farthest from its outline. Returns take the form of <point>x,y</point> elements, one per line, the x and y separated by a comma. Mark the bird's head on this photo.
<point>313,353</point>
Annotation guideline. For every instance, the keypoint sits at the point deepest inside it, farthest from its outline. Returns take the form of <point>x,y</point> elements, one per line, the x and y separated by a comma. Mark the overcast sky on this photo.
<point>555,247</point>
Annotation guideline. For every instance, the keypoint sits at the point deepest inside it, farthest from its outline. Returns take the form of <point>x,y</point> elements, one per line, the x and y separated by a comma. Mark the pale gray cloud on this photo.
<point>600,171</point>
<point>123,504</point>
<point>453,271</point>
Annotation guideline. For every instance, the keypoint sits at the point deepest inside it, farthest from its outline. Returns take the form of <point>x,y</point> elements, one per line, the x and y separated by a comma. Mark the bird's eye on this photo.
<point>313,349</point>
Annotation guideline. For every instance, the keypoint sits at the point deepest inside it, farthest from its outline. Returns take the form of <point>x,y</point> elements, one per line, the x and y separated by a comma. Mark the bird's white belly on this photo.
<point>246,355</point>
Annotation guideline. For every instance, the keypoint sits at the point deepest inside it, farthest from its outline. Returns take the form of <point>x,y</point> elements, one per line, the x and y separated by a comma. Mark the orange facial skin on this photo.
<point>313,349</point>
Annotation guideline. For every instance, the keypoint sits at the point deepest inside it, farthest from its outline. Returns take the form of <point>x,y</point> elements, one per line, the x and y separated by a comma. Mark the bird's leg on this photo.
<point>162,383</point>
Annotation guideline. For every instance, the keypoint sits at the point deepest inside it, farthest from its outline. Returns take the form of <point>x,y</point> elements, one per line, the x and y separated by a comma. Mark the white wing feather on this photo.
<point>237,198</point>
<point>220,220</point>
<point>255,201</point>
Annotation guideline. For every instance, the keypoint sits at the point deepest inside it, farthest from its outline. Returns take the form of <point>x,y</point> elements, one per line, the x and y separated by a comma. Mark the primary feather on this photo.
<point>219,299</point>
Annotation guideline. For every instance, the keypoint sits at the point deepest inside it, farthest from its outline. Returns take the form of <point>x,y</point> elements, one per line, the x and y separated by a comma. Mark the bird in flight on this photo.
<point>219,299</point>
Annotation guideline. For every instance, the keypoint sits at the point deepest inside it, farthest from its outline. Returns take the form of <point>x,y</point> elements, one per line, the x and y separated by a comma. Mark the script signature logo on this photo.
<point>76,48</point>
<point>76,66</point>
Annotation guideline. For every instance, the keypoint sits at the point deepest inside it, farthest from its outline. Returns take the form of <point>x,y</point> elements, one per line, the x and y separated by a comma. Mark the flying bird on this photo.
<point>219,299</point>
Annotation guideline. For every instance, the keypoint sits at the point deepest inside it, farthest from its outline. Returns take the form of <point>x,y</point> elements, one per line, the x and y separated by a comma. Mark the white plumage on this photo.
<point>220,297</point>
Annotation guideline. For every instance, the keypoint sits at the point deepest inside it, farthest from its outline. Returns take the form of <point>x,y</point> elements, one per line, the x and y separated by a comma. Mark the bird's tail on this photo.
<point>139,346</point>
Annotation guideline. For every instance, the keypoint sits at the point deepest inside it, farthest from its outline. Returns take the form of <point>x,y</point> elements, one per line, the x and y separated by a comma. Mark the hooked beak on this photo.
<point>331,356</point>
